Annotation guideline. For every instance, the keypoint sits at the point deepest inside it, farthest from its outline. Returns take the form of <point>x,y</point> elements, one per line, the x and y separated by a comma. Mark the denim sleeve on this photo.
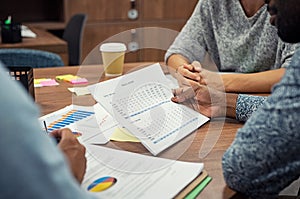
<point>246,105</point>
<point>31,164</point>
<point>264,157</point>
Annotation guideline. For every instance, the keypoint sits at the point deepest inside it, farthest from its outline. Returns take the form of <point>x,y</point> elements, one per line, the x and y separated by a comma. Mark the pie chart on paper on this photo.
<point>102,184</point>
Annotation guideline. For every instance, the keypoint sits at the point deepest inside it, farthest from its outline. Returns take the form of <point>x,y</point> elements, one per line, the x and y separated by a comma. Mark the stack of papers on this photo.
<point>137,106</point>
<point>119,174</point>
<point>141,102</point>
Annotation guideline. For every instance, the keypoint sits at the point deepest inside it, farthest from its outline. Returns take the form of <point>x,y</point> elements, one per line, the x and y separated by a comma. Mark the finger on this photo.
<point>179,99</point>
<point>188,67</point>
<point>59,132</point>
<point>182,94</point>
<point>66,134</point>
<point>194,85</point>
<point>55,133</point>
<point>202,90</point>
<point>189,74</point>
<point>197,66</point>
<point>177,91</point>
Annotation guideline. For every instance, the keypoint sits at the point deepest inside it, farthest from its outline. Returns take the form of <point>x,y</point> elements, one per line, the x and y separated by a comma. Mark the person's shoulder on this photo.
<point>296,58</point>
<point>213,3</point>
<point>297,51</point>
<point>215,7</point>
<point>3,71</point>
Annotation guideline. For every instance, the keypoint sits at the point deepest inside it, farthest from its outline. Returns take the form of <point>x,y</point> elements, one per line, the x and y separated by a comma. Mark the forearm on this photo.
<point>176,60</point>
<point>261,82</point>
<point>231,100</point>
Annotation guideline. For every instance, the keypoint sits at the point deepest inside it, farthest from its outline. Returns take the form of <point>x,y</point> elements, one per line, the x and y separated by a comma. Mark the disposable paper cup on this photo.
<point>113,58</point>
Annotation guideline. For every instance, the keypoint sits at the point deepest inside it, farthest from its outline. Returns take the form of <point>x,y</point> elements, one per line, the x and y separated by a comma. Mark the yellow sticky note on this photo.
<point>73,79</point>
<point>122,135</point>
<point>67,77</point>
<point>38,81</point>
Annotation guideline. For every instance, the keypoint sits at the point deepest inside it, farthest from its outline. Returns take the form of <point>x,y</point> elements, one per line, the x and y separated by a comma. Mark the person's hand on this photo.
<point>191,71</point>
<point>209,102</point>
<point>194,72</point>
<point>73,151</point>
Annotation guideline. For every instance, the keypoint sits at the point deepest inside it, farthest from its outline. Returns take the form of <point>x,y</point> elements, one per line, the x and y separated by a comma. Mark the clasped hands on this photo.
<point>204,87</point>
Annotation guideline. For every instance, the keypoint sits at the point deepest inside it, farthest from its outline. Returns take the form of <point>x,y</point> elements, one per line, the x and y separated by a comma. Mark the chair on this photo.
<point>29,57</point>
<point>73,35</point>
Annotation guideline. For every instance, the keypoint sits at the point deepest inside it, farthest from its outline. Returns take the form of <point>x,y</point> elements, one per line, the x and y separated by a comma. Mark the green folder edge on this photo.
<point>195,192</point>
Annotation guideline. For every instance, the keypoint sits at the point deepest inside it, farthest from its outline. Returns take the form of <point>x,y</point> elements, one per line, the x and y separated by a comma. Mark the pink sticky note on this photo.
<point>49,83</point>
<point>79,81</point>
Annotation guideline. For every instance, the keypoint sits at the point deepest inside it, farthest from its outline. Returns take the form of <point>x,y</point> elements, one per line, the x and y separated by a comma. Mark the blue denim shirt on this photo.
<point>265,155</point>
<point>246,105</point>
<point>31,164</point>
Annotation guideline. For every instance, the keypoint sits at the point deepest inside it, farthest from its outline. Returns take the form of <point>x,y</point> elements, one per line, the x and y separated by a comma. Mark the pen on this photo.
<point>45,125</point>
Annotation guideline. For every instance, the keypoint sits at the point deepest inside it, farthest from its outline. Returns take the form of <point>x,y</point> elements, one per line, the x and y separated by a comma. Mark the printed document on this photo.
<point>141,102</point>
<point>81,120</point>
<point>112,173</point>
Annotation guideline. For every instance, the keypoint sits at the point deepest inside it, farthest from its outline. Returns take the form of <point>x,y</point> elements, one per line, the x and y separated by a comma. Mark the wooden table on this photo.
<point>206,145</point>
<point>44,41</point>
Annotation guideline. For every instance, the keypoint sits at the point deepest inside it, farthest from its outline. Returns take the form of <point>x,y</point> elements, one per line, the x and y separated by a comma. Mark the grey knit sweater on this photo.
<point>234,41</point>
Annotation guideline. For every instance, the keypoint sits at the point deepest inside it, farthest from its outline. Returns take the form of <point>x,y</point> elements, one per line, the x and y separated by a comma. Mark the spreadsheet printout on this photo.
<point>141,102</point>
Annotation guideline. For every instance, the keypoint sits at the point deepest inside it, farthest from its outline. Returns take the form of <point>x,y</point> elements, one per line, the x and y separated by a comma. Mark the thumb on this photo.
<point>182,94</point>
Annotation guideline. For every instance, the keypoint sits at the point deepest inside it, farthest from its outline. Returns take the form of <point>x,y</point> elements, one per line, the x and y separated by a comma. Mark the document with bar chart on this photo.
<point>80,119</point>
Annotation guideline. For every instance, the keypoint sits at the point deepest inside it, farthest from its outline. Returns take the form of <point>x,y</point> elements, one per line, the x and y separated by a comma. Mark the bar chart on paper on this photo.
<point>80,119</point>
<point>68,118</point>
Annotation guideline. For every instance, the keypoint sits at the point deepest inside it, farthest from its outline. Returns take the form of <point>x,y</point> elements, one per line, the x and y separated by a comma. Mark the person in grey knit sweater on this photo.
<point>239,38</point>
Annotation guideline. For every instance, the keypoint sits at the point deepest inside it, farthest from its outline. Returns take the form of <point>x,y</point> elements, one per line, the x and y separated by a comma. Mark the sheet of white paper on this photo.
<point>26,32</point>
<point>79,91</point>
<point>104,92</point>
<point>172,82</point>
<point>137,176</point>
<point>141,102</point>
<point>106,122</point>
<point>292,189</point>
<point>79,119</point>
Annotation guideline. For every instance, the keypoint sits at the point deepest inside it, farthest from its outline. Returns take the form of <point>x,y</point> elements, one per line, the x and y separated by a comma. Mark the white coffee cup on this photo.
<point>113,58</point>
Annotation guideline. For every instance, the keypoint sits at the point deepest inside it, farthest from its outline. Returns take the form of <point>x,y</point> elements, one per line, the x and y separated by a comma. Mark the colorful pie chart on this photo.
<point>102,184</point>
